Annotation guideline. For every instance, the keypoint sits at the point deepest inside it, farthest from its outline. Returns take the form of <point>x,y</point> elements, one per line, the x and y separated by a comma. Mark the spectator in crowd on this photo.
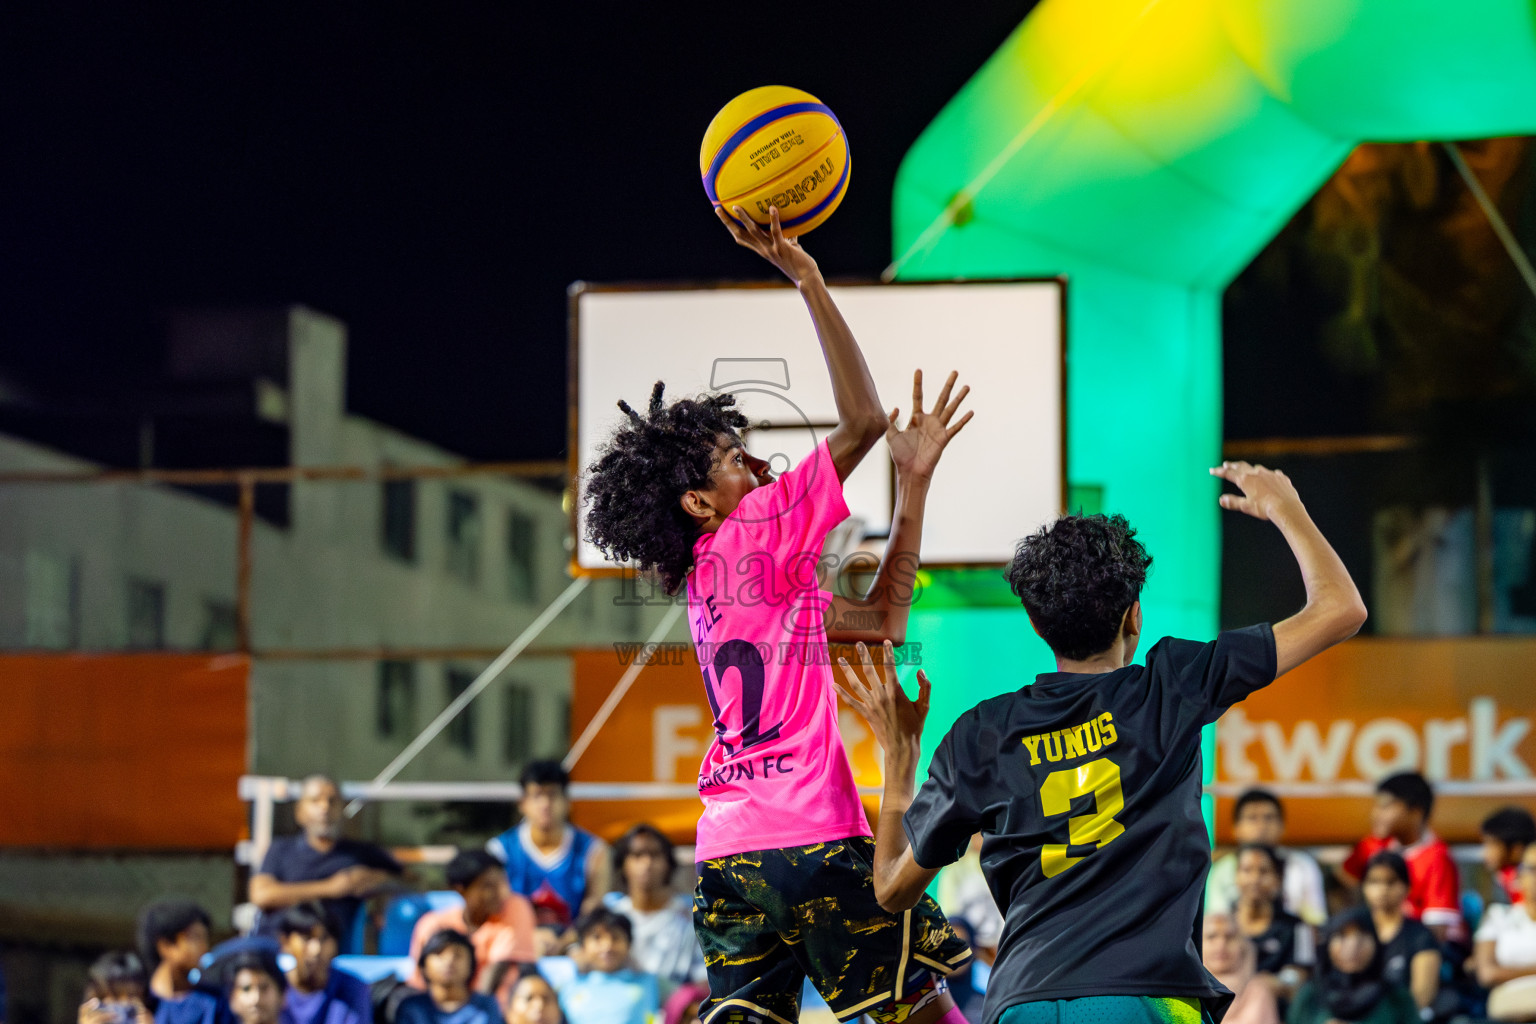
<point>661,919</point>
<point>1400,822</point>
<point>1350,985</point>
<point>319,864</point>
<point>561,869</point>
<point>600,986</point>
<point>173,936</point>
<point>1258,818</point>
<point>499,923</point>
<point>1283,943</point>
<point>1229,956</point>
<point>1505,952</point>
<point>256,988</point>
<point>963,892</point>
<point>1507,834</point>
<point>116,991</point>
<point>682,1006</point>
<point>447,961</point>
<point>533,1001</point>
<point>317,992</point>
<point>1410,954</point>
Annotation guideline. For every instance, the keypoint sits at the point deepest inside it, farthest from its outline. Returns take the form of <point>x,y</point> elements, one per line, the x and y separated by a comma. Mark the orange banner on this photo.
<point>129,751</point>
<point>659,733</point>
<point>1458,710</point>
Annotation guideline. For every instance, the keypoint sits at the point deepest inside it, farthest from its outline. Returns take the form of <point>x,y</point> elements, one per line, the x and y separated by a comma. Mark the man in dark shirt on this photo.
<point>1086,785</point>
<point>318,864</point>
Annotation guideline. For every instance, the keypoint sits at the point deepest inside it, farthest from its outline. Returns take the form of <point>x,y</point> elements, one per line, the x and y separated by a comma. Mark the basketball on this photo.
<point>776,146</point>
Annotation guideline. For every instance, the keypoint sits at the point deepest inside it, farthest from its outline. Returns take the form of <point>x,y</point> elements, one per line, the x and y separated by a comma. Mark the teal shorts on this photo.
<point>1106,1010</point>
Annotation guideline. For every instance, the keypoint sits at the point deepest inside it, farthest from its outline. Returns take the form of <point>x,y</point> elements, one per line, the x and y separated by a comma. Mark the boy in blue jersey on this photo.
<point>1085,785</point>
<point>562,870</point>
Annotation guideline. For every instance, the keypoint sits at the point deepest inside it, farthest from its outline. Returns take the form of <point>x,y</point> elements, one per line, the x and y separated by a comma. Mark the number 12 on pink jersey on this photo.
<point>748,663</point>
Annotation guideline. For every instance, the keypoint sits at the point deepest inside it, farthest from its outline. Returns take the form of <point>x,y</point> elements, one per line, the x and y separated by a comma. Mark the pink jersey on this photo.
<point>776,774</point>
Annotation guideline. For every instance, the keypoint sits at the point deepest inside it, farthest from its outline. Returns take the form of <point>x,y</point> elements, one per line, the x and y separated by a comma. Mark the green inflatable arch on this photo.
<point>1148,149</point>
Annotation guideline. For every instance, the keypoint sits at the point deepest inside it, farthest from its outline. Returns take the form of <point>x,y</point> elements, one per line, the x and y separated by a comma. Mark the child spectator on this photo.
<point>499,923</point>
<point>604,989</point>
<point>533,1001</point>
<point>319,864</point>
<point>1229,956</point>
<point>561,869</point>
<point>1258,818</point>
<point>1350,985</point>
<point>256,988</point>
<point>1400,822</point>
<point>116,991</point>
<point>447,962</point>
<point>1507,833</point>
<point>1505,952</point>
<point>1410,954</point>
<point>317,992</point>
<point>173,936</point>
<point>662,919</point>
<point>1282,942</point>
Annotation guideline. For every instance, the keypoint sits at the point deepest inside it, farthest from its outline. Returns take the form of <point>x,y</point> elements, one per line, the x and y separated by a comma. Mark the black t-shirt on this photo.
<point>1413,938</point>
<point>1288,941</point>
<point>1086,789</point>
<point>292,859</point>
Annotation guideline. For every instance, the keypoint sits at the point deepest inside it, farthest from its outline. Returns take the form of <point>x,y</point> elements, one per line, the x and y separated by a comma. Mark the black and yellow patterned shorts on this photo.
<point>768,920</point>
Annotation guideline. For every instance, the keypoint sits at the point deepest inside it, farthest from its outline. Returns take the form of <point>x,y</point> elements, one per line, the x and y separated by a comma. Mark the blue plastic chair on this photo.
<point>404,911</point>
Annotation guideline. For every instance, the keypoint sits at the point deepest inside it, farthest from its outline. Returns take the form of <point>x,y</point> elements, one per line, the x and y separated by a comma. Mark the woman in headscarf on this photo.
<point>1231,958</point>
<point>1350,984</point>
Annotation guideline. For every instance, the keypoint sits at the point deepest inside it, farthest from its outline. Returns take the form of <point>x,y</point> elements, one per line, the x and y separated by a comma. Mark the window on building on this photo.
<point>395,703</point>
<point>52,600</point>
<point>520,579</point>
<point>517,725</point>
<point>461,731</point>
<point>464,535</point>
<point>399,520</point>
<point>221,631</point>
<point>146,614</point>
<point>627,604</point>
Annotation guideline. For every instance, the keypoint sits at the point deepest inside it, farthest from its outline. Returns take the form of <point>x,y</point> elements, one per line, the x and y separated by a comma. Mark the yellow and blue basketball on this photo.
<point>776,146</point>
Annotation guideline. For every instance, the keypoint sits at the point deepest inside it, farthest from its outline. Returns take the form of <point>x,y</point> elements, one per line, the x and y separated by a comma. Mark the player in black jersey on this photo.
<point>1085,785</point>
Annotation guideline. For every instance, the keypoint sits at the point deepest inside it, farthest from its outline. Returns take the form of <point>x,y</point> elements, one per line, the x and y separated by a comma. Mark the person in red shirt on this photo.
<point>1400,822</point>
<point>1507,833</point>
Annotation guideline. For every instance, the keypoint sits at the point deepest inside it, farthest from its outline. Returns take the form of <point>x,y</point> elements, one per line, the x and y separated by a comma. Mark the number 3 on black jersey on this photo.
<point>1102,779</point>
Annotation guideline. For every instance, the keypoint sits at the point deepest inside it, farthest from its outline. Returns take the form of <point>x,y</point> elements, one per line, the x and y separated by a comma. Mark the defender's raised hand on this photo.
<point>916,449</point>
<point>785,253</point>
<point>1266,492</point>
<point>896,721</point>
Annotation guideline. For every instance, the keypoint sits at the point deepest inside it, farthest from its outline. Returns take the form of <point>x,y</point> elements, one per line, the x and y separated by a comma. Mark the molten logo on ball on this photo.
<point>798,194</point>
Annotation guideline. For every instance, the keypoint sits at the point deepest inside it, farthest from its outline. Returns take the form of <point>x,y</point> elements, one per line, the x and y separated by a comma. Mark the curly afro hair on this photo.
<point>1076,577</point>
<point>633,512</point>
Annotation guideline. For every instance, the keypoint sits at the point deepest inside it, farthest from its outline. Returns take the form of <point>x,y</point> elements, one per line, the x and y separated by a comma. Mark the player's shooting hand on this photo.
<point>1266,493</point>
<point>916,449</point>
<point>785,253</point>
<point>896,721</point>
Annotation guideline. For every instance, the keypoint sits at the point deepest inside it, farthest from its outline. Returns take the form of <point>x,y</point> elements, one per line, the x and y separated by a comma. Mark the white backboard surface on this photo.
<point>998,480</point>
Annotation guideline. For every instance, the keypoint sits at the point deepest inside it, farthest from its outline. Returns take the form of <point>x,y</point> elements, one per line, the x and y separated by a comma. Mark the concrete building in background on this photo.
<point>460,564</point>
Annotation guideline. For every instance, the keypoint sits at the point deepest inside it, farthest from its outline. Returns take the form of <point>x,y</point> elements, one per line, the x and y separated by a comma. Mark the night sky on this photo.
<point>433,174</point>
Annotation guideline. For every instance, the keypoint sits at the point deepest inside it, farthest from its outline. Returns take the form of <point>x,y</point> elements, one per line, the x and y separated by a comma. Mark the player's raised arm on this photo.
<point>915,451</point>
<point>861,420</point>
<point>898,727</point>
<point>1334,611</point>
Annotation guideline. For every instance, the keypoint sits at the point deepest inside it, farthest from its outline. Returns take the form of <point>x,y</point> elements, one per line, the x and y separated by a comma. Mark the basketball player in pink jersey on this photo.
<point>784,848</point>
